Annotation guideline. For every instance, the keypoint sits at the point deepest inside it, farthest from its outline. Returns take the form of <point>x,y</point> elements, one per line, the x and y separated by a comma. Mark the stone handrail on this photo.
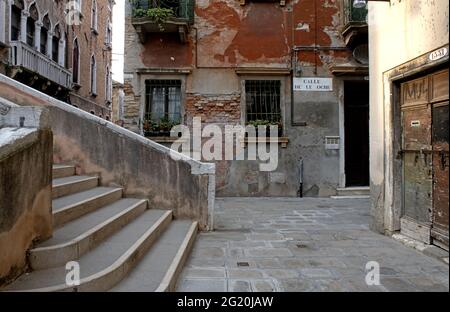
<point>121,157</point>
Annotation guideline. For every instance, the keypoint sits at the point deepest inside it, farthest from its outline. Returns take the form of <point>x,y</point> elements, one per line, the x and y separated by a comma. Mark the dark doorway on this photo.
<point>356,123</point>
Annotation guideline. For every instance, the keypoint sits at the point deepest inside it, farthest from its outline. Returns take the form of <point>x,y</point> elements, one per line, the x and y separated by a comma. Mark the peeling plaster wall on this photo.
<point>227,36</point>
<point>399,31</point>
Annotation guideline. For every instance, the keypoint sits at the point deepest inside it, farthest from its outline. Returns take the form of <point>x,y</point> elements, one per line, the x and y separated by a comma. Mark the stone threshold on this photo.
<point>428,250</point>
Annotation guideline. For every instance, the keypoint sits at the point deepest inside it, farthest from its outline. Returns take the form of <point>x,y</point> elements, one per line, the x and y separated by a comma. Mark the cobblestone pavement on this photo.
<point>309,244</point>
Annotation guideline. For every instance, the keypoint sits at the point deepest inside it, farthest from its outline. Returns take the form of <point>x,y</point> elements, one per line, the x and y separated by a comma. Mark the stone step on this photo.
<point>106,265</point>
<point>71,207</point>
<point>62,171</point>
<point>74,184</point>
<point>160,267</point>
<point>353,191</point>
<point>82,235</point>
<point>351,197</point>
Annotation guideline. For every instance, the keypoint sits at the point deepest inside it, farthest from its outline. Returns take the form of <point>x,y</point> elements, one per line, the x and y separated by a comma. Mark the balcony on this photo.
<point>355,24</point>
<point>28,58</point>
<point>163,16</point>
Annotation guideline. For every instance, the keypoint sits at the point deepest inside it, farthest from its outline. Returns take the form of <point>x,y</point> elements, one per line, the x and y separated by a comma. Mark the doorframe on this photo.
<point>342,174</point>
<point>393,166</point>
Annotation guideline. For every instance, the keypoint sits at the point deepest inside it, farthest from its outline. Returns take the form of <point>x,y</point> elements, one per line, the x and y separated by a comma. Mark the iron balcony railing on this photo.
<point>354,15</point>
<point>33,60</point>
<point>182,9</point>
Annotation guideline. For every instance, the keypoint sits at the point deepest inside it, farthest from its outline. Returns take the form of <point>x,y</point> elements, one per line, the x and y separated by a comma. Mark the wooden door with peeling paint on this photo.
<point>440,135</point>
<point>424,109</point>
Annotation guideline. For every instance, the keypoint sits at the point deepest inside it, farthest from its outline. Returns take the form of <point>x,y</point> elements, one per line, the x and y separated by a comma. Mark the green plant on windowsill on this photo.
<point>159,128</point>
<point>157,14</point>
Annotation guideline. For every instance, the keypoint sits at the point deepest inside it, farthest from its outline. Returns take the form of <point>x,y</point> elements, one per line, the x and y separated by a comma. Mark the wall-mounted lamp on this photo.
<point>358,4</point>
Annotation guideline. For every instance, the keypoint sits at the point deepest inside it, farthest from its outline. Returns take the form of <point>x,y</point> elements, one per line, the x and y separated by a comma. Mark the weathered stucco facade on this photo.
<point>38,40</point>
<point>229,43</point>
<point>402,36</point>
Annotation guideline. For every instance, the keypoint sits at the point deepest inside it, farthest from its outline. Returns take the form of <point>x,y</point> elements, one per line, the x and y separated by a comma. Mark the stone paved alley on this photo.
<point>307,244</point>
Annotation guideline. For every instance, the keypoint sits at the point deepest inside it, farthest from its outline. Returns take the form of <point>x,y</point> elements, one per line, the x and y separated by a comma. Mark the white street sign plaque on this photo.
<point>313,84</point>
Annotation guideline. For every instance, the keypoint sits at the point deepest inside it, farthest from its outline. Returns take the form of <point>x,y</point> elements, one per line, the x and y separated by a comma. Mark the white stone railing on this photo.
<point>29,58</point>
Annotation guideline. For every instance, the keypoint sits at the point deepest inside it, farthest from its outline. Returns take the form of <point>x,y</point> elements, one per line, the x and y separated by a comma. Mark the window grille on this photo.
<point>263,100</point>
<point>163,100</point>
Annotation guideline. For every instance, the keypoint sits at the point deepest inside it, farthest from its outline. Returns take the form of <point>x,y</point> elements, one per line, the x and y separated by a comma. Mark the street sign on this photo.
<point>313,84</point>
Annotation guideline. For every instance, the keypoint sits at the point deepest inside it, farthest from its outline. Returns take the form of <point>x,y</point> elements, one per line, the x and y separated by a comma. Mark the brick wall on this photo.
<point>92,43</point>
<point>131,109</point>
<point>218,109</point>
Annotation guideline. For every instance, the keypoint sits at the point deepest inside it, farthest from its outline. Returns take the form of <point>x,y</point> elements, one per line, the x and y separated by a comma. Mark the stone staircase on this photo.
<point>119,243</point>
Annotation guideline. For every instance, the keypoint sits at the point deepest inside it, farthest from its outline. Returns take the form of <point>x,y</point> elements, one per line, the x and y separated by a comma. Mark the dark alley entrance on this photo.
<point>356,123</point>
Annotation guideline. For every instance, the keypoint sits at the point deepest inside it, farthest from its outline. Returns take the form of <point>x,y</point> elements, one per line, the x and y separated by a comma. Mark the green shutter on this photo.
<point>187,10</point>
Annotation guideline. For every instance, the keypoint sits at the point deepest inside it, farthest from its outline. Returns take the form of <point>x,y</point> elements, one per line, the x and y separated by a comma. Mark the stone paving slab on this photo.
<point>303,244</point>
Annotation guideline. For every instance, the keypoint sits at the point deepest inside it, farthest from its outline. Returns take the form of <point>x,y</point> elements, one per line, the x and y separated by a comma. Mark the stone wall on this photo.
<point>25,180</point>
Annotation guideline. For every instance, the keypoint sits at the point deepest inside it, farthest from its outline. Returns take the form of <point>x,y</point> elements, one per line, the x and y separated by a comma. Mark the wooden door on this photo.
<point>424,108</point>
<point>416,146</point>
<point>440,136</point>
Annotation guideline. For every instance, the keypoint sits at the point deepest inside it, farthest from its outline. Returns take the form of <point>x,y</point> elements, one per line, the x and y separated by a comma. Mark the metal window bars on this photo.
<point>163,100</point>
<point>263,100</point>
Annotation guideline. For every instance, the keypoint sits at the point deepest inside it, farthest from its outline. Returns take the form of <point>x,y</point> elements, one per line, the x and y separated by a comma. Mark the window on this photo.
<point>55,43</point>
<point>263,100</point>
<point>94,15</point>
<point>76,62</point>
<point>163,100</point>
<point>31,22</point>
<point>44,34</point>
<point>108,35</point>
<point>93,76</point>
<point>16,13</point>
<point>108,85</point>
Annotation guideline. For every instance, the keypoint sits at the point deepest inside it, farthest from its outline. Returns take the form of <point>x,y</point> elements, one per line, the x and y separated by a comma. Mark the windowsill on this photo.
<point>76,86</point>
<point>94,31</point>
<point>280,140</point>
<point>108,46</point>
<point>94,95</point>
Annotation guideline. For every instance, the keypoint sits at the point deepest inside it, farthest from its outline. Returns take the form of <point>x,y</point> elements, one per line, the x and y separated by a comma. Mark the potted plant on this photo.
<point>158,14</point>
<point>160,128</point>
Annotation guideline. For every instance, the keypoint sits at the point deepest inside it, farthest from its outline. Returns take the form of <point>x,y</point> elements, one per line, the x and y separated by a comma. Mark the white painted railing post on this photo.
<point>61,48</point>
<point>37,35</point>
<point>49,44</point>
<point>2,21</point>
<point>23,26</point>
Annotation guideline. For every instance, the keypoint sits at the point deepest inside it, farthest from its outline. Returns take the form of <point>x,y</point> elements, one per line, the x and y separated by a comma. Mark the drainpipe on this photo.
<point>300,178</point>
